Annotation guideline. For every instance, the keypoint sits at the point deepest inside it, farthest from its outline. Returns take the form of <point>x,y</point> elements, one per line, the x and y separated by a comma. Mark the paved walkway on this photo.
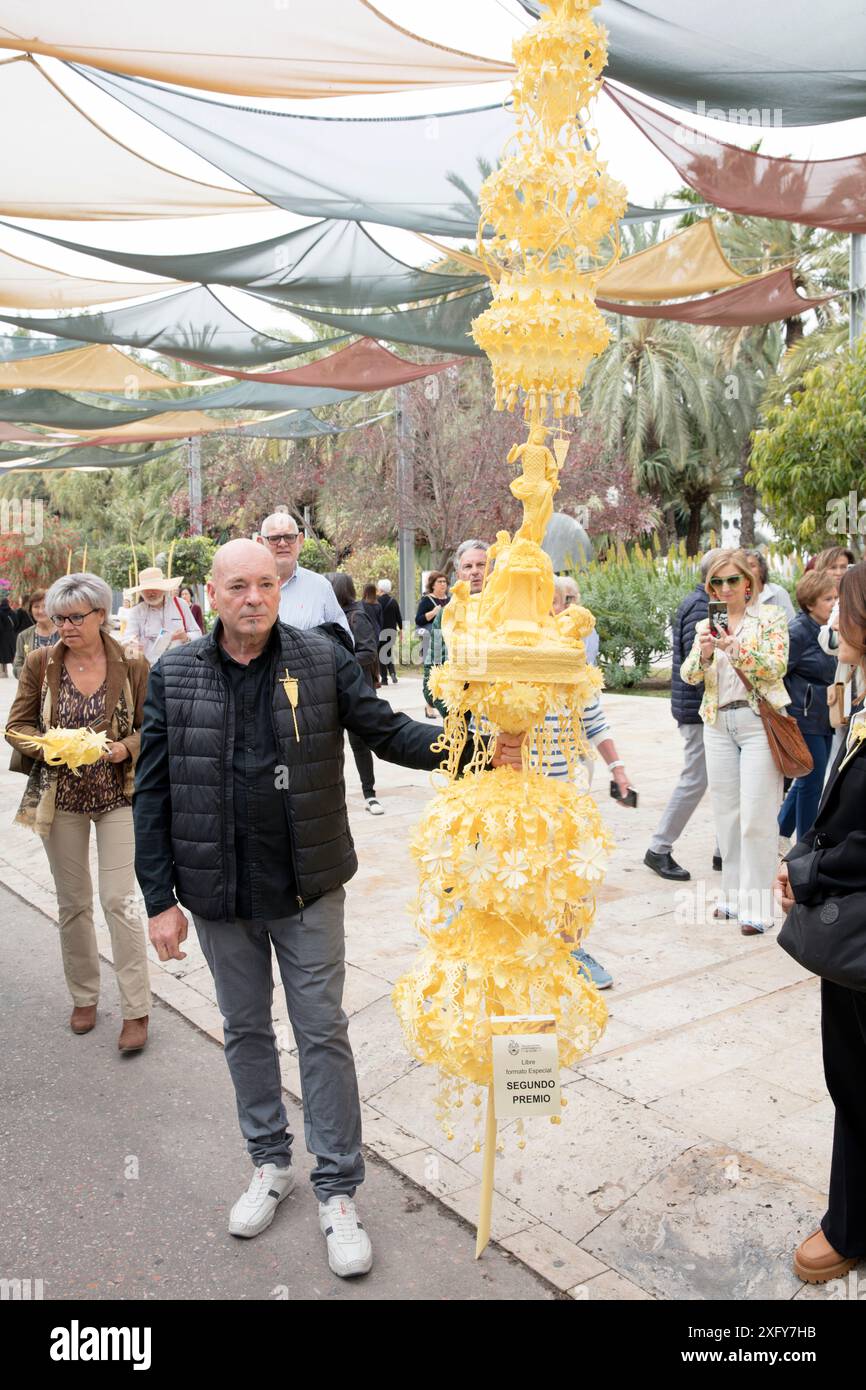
<point>694,1151</point>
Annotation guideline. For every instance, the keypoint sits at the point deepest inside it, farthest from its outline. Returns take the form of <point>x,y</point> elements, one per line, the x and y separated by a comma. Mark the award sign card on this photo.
<point>525,1065</point>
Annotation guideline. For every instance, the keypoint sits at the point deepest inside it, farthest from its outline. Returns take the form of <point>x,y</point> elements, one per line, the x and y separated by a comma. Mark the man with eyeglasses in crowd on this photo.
<point>306,598</point>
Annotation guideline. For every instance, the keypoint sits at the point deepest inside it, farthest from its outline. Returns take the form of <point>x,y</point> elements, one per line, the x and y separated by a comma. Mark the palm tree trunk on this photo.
<point>693,535</point>
<point>748,498</point>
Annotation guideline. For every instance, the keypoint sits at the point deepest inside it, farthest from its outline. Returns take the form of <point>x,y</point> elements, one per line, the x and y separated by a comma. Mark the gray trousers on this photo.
<point>687,792</point>
<point>311,958</point>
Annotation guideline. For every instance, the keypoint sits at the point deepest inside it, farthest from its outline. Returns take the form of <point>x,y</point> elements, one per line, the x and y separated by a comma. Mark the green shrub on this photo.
<point>633,597</point>
<point>318,556</point>
<point>371,564</point>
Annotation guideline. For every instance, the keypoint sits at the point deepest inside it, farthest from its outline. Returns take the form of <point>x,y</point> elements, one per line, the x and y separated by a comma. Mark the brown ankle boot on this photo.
<point>133,1034</point>
<point>816,1262</point>
<point>83,1018</point>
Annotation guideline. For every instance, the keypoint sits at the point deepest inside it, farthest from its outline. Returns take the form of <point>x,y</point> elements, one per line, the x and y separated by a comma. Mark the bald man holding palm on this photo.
<point>240,817</point>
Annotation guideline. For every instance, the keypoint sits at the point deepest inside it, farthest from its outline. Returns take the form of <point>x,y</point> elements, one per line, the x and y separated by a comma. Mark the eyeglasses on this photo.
<point>75,618</point>
<point>570,599</point>
<point>286,536</point>
<point>732,580</point>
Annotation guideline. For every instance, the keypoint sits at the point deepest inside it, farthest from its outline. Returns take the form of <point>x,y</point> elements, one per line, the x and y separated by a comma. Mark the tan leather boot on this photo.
<point>83,1018</point>
<point>816,1262</point>
<point>133,1034</point>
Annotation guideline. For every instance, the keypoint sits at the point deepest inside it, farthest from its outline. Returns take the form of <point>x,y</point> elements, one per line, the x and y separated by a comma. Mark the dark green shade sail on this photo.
<point>191,323</point>
<point>742,61</point>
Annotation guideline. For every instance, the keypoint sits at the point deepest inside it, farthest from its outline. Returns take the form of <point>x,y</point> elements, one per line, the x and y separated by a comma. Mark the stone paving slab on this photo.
<point>712,1049</point>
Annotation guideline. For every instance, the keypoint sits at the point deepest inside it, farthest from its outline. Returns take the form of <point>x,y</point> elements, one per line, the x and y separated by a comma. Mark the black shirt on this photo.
<point>266,886</point>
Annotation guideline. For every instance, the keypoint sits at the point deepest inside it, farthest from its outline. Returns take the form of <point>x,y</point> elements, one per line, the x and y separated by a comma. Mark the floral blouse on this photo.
<point>762,656</point>
<point>95,788</point>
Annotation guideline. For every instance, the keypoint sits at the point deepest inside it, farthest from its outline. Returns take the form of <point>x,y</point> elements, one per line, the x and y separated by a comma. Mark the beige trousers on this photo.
<point>68,847</point>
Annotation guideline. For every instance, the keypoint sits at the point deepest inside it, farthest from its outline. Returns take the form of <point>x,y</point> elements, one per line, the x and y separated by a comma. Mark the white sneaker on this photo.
<point>349,1248</point>
<point>254,1212</point>
<point>374,807</point>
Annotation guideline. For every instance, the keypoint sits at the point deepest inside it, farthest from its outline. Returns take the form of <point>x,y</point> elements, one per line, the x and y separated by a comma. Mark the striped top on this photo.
<point>593,726</point>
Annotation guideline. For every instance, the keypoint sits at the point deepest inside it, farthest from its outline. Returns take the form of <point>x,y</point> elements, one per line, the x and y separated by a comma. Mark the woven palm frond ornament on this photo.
<point>509,862</point>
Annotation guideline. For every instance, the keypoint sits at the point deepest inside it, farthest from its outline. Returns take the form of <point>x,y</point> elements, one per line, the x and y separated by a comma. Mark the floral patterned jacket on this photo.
<point>762,656</point>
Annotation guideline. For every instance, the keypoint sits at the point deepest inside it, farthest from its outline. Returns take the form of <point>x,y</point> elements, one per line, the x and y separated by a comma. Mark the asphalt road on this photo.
<point>119,1172</point>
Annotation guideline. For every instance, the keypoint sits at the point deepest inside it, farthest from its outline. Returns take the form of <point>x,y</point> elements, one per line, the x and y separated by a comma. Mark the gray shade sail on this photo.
<point>302,425</point>
<point>331,264</point>
<point>742,61</point>
<point>66,413</point>
<point>419,172</point>
<point>444,327</point>
<point>15,348</point>
<point>88,457</point>
<point>191,324</point>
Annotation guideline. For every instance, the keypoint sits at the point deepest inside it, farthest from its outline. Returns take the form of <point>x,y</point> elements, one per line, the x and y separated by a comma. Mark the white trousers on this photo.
<point>746,792</point>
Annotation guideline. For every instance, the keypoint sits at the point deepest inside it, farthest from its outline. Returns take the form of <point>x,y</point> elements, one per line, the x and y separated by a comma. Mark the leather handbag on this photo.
<point>787,745</point>
<point>829,938</point>
<point>19,762</point>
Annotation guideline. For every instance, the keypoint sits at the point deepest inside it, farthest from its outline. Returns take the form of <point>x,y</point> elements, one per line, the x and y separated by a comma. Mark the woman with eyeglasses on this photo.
<point>86,681</point>
<point>744,781</point>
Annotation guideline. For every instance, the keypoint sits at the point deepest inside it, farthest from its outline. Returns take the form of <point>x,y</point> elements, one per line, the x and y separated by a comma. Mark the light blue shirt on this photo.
<point>307,599</point>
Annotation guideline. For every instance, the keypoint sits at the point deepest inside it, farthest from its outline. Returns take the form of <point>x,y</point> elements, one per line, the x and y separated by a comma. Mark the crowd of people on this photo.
<point>221,792</point>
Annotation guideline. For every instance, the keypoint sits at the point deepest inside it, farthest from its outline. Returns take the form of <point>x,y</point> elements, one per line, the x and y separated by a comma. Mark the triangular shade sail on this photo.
<point>97,368</point>
<point>820,193</point>
<point>747,59</point>
<point>362,366</point>
<point>260,48</point>
<point>25,284</point>
<point>762,299</point>
<point>443,327</point>
<point>330,264</point>
<point>192,324</point>
<point>15,347</point>
<point>690,262</point>
<point>63,412</point>
<point>171,426</point>
<point>420,172</point>
<point>89,458</point>
<point>68,167</point>
<point>303,425</point>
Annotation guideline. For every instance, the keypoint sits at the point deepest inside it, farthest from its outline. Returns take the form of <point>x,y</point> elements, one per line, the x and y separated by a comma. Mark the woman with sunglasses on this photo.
<point>745,784</point>
<point>87,681</point>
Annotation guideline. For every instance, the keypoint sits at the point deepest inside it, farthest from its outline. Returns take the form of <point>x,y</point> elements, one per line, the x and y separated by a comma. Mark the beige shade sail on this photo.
<point>172,425</point>
<point>96,368</point>
<point>688,263</point>
<point>62,164</point>
<point>259,48</point>
<point>26,284</point>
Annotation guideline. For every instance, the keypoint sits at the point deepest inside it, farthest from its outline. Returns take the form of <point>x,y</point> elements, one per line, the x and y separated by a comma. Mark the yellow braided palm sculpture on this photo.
<point>510,861</point>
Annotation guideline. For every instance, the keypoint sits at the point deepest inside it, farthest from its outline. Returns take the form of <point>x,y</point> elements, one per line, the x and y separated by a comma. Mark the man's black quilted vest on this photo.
<point>200,724</point>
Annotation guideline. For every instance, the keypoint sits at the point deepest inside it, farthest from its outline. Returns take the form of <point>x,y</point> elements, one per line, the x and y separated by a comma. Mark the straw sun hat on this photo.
<point>153,578</point>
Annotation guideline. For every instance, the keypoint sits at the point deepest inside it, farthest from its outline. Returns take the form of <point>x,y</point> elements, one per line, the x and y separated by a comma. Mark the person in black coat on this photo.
<point>830,861</point>
<point>392,624</point>
<point>10,626</point>
<point>685,708</point>
<point>365,631</point>
<point>810,672</point>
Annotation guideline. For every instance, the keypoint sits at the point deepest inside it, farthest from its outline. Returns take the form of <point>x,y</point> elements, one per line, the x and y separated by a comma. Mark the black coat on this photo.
<point>365,631</point>
<point>686,699</point>
<point>810,671</point>
<point>830,860</point>
<point>392,618</point>
<point>10,627</point>
<point>183,803</point>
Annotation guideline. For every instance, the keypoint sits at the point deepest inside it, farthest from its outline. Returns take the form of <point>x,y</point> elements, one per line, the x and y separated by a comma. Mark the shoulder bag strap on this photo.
<point>177,605</point>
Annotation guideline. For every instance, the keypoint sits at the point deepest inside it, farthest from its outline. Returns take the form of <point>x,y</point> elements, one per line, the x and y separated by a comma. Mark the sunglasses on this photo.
<point>732,580</point>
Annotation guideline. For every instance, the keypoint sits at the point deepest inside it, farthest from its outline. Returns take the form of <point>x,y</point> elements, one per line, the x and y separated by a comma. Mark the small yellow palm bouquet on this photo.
<point>74,748</point>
